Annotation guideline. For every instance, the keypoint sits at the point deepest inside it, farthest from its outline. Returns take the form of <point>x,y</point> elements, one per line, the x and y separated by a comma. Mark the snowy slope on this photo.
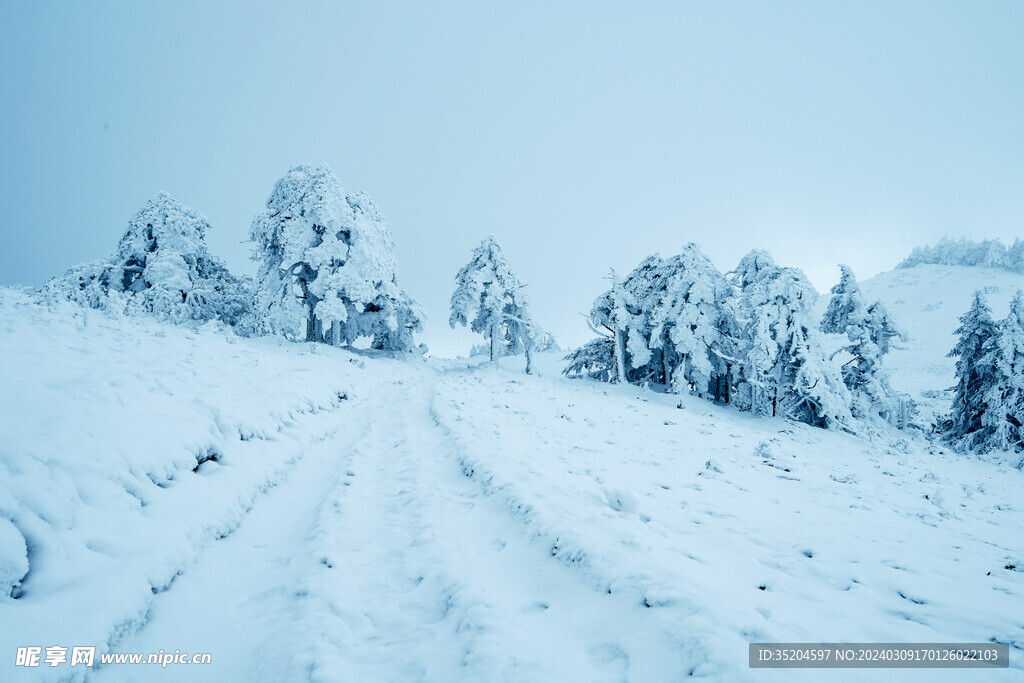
<point>927,300</point>
<point>374,519</point>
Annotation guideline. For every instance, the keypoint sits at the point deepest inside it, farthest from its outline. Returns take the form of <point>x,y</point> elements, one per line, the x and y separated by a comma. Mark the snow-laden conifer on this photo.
<point>686,320</point>
<point>869,331</point>
<point>785,371</point>
<point>489,298</point>
<point>976,352</point>
<point>327,268</point>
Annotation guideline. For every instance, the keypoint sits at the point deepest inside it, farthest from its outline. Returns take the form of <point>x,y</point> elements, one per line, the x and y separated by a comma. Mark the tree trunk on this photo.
<point>494,329</point>
<point>620,361</point>
<point>310,325</point>
<point>529,358</point>
<point>666,370</point>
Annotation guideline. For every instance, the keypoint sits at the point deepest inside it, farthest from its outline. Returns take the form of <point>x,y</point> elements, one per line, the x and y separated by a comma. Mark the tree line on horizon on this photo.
<point>747,338</point>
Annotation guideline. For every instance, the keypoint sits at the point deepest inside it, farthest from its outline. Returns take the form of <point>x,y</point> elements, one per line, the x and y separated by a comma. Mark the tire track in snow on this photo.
<point>436,577</point>
<point>378,559</point>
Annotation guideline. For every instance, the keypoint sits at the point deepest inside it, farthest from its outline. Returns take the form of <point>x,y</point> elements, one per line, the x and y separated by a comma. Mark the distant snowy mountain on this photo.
<point>927,300</point>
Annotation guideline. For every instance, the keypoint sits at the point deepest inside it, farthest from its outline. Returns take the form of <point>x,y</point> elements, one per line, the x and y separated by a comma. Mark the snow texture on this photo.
<point>305,512</point>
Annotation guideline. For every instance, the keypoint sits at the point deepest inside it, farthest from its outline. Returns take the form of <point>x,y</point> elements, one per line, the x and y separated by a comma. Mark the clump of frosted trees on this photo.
<point>988,404</point>
<point>965,252</point>
<point>327,270</point>
<point>749,339</point>
<point>491,300</point>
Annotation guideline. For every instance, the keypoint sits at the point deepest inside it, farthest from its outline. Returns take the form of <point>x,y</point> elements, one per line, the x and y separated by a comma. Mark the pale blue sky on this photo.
<point>583,136</point>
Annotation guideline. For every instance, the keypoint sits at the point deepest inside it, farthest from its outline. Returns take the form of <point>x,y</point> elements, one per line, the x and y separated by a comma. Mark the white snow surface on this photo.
<point>359,518</point>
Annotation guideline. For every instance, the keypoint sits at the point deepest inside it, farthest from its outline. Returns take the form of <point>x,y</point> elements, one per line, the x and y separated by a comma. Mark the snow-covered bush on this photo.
<point>161,267</point>
<point>489,298</point>
<point>327,268</point>
<point>965,252</point>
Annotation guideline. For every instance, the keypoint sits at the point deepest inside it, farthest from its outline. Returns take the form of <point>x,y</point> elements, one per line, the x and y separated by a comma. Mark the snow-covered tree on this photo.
<point>490,299</point>
<point>976,352</point>
<point>752,268</point>
<point>869,331</point>
<point>1003,420</point>
<point>686,321</point>
<point>785,370</point>
<point>161,267</point>
<point>619,317</point>
<point>594,360</point>
<point>327,265</point>
<point>747,340</point>
<point>846,306</point>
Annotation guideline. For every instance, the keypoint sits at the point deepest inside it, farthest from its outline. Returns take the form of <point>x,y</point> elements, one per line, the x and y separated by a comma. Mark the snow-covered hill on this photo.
<point>927,300</point>
<point>304,512</point>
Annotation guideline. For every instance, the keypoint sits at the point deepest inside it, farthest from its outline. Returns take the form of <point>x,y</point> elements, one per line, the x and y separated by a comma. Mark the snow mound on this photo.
<point>13,557</point>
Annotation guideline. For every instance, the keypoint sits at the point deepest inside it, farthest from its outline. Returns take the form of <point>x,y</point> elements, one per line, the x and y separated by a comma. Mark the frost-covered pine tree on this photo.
<point>869,331</point>
<point>846,306</point>
<point>621,348</point>
<point>327,268</point>
<point>490,299</point>
<point>976,352</point>
<point>645,286</point>
<point>162,267</point>
<point>686,321</point>
<point>785,370</point>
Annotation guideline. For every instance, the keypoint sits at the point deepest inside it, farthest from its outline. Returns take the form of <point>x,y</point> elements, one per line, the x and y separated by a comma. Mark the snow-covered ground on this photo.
<point>361,518</point>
